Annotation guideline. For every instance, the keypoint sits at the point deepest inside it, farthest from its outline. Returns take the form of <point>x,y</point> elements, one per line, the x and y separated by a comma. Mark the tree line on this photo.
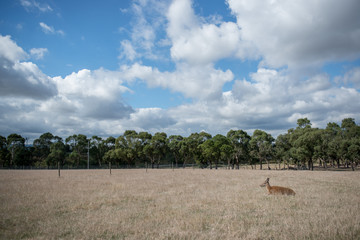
<point>301,147</point>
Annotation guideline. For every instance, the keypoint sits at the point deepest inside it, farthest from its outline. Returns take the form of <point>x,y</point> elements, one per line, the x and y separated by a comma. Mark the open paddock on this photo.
<point>179,204</point>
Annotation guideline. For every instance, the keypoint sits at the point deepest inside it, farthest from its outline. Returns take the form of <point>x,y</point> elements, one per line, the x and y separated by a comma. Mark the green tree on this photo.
<point>175,146</point>
<point>98,148</point>
<point>303,123</point>
<point>217,149</point>
<point>190,149</point>
<point>282,149</point>
<point>110,156</point>
<point>348,124</point>
<point>159,145</point>
<point>16,146</point>
<point>4,153</point>
<point>42,147</point>
<point>57,154</point>
<point>223,145</point>
<point>144,139</point>
<point>240,141</point>
<point>331,140</point>
<point>306,146</point>
<point>126,147</point>
<point>78,146</point>
<point>349,142</point>
<point>209,152</point>
<point>354,152</point>
<point>110,143</point>
<point>262,146</point>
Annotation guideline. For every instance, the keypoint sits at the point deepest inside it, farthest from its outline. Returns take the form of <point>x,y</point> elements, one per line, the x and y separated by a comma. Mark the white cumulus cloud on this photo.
<point>198,42</point>
<point>300,33</point>
<point>19,78</point>
<point>38,53</point>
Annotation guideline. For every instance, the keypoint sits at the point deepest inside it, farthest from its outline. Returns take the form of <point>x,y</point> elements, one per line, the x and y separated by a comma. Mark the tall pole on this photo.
<point>88,155</point>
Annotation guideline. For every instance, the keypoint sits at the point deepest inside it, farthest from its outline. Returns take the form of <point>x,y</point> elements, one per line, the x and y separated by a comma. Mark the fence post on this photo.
<point>110,167</point>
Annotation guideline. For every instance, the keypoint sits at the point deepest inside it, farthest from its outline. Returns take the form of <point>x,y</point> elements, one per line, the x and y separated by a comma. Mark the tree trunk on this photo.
<point>237,162</point>
<point>176,162</point>
<point>325,165</point>
<point>310,165</point>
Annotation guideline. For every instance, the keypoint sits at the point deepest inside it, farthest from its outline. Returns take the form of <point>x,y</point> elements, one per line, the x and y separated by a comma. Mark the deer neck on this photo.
<point>268,186</point>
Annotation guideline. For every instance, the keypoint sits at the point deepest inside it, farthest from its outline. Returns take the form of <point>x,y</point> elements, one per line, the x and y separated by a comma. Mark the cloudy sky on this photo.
<point>178,66</point>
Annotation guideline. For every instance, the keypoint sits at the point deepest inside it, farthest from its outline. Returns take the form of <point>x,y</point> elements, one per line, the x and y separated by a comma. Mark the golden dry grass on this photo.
<point>180,204</point>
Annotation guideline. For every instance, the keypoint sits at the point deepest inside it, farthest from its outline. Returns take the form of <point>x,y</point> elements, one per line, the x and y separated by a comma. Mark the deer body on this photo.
<point>276,190</point>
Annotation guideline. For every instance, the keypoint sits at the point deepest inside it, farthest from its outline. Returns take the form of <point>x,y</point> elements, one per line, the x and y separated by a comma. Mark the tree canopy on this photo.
<point>301,147</point>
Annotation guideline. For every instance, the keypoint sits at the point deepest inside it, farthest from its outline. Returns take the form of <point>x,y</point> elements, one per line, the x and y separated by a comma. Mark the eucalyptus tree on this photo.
<point>223,148</point>
<point>306,146</point>
<point>240,142</point>
<point>175,146</point>
<point>217,149</point>
<point>16,145</point>
<point>144,139</point>
<point>78,145</point>
<point>159,143</point>
<point>57,154</point>
<point>110,156</point>
<point>354,152</point>
<point>110,142</point>
<point>126,147</point>
<point>262,146</point>
<point>190,147</point>
<point>303,123</point>
<point>98,148</point>
<point>282,149</point>
<point>331,140</point>
<point>209,152</point>
<point>350,145</point>
<point>184,150</point>
<point>42,147</point>
<point>297,152</point>
<point>347,125</point>
<point>4,152</point>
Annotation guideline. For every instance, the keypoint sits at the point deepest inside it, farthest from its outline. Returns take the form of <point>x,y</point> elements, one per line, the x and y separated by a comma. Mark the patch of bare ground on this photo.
<point>180,204</point>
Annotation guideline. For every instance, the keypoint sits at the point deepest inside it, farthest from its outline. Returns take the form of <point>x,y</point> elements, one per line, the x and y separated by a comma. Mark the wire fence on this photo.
<point>104,166</point>
<point>172,166</point>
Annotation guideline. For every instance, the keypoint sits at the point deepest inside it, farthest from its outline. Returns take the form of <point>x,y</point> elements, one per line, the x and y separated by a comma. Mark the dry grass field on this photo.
<point>180,204</point>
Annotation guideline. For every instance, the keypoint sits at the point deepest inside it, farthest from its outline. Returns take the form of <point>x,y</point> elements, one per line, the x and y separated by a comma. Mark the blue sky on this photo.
<point>178,66</point>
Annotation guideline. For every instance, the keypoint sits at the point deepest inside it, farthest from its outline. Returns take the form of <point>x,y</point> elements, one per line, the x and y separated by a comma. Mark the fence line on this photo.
<point>171,166</point>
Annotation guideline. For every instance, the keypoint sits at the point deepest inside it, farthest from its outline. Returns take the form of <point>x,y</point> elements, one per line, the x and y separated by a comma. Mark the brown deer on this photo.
<point>275,190</point>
